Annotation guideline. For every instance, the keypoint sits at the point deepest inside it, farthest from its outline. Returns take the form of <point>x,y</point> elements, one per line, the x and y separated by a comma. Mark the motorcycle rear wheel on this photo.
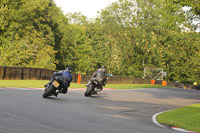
<point>49,91</point>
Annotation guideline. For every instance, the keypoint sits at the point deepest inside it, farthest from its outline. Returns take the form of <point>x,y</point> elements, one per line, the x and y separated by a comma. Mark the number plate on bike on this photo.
<point>56,83</point>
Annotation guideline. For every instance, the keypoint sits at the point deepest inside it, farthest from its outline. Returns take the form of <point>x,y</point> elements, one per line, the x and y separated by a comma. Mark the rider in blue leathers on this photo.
<point>64,76</point>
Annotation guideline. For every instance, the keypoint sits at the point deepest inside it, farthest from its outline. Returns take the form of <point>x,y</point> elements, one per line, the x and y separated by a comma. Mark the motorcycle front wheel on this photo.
<point>49,91</point>
<point>89,90</point>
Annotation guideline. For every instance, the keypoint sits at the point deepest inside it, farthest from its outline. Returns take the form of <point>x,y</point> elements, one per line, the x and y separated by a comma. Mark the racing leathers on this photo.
<point>99,75</point>
<point>65,77</point>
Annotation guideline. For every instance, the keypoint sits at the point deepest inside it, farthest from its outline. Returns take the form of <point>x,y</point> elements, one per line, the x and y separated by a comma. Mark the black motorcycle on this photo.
<point>53,89</point>
<point>96,85</point>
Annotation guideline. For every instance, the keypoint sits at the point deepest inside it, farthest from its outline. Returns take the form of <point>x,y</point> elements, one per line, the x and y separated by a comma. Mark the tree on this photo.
<point>128,35</point>
<point>27,34</point>
<point>148,31</point>
<point>192,8</point>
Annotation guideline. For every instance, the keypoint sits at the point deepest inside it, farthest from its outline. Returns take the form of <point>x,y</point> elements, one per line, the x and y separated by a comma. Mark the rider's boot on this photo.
<point>87,85</point>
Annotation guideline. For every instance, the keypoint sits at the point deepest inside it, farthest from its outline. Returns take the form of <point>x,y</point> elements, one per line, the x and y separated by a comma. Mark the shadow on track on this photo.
<point>99,95</point>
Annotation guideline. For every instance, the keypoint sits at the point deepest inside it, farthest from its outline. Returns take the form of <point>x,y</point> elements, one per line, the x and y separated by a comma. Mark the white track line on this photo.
<point>155,121</point>
<point>174,128</point>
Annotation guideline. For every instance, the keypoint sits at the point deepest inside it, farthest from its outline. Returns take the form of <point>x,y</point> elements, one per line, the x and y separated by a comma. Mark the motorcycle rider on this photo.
<point>64,76</point>
<point>100,74</point>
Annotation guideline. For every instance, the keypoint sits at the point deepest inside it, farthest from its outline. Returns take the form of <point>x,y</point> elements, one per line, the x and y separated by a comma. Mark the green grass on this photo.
<point>132,86</point>
<point>40,84</point>
<point>23,83</point>
<point>31,83</point>
<point>186,117</point>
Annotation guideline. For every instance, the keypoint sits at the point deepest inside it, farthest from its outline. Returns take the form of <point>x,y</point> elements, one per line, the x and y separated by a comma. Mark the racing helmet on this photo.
<point>103,68</point>
<point>68,69</point>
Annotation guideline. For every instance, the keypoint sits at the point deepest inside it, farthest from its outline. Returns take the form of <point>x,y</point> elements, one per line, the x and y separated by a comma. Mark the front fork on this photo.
<point>97,89</point>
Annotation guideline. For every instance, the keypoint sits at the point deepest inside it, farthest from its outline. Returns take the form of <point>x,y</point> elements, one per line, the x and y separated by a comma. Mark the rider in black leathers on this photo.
<point>100,75</point>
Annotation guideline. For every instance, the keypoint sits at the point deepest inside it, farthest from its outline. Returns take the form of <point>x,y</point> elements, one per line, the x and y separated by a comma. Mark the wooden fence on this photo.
<point>115,80</point>
<point>23,73</point>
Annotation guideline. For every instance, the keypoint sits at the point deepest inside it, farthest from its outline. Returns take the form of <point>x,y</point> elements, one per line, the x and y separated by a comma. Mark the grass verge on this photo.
<point>132,86</point>
<point>186,117</point>
<point>40,84</point>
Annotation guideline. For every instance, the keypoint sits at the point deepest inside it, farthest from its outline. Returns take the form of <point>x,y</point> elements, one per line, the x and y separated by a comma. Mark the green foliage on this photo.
<point>75,50</point>
<point>27,37</point>
<point>192,11</point>
<point>100,50</point>
<point>181,57</point>
<point>127,36</point>
<point>151,32</point>
<point>195,4</point>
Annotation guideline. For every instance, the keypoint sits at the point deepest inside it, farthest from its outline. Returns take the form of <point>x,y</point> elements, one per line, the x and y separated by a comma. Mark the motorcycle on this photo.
<point>95,86</point>
<point>53,89</point>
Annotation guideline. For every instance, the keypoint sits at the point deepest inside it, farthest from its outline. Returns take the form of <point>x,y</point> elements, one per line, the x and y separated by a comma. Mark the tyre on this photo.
<point>89,90</point>
<point>49,91</point>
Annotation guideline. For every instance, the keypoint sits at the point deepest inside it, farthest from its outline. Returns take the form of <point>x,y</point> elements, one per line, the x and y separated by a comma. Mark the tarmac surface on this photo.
<point>23,110</point>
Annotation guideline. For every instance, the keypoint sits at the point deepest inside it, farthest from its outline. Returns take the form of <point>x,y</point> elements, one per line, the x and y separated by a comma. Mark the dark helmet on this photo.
<point>68,69</point>
<point>103,68</point>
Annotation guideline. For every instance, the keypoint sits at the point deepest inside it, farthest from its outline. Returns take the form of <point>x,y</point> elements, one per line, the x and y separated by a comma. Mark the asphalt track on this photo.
<point>111,111</point>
